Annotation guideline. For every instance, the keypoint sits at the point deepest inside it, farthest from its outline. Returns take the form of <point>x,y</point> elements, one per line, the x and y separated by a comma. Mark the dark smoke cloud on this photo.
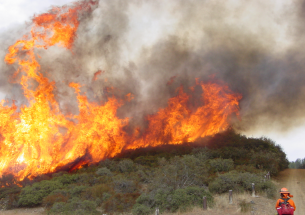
<point>254,47</point>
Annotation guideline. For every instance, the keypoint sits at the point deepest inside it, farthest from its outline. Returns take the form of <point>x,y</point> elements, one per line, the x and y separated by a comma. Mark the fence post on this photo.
<point>253,190</point>
<point>268,175</point>
<point>157,211</point>
<point>204,203</point>
<point>230,197</point>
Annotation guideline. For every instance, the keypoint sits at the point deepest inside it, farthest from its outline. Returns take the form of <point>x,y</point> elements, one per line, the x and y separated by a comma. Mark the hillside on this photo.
<point>171,177</point>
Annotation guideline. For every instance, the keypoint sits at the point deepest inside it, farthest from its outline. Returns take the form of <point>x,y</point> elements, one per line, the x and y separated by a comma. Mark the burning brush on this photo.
<point>38,138</point>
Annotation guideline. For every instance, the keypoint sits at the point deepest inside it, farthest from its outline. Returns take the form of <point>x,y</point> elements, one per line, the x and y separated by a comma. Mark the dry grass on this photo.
<point>260,205</point>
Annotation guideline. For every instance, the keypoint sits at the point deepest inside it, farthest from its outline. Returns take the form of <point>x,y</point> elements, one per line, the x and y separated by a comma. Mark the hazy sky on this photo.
<point>17,12</point>
<point>20,11</point>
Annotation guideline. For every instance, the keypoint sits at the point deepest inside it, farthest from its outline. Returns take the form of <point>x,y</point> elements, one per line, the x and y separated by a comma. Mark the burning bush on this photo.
<point>171,178</point>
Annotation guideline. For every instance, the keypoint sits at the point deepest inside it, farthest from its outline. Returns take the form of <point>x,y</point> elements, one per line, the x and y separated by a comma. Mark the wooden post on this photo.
<point>157,211</point>
<point>253,190</point>
<point>205,203</point>
<point>230,197</point>
<point>268,175</point>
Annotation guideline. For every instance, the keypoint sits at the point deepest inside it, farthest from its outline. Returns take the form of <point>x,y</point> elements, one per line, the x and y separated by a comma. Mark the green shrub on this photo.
<point>173,200</point>
<point>184,199</point>
<point>64,192</point>
<point>151,161</point>
<point>221,165</point>
<point>9,202</point>
<point>146,199</point>
<point>65,178</point>
<point>76,191</point>
<point>124,186</point>
<point>228,181</point>
<point>247,168</point>
<point>139,209</point>
<point>104,171</point>
<point>145,174</point>
<point>266,160</point>
<point>126,165</point>
<point>269,188</point>
<point>179,173</point>
<point>57,174</point>
<point>110,164</point>
<point>106,196</point>
<point>98,190</point>
<point>51,199</point>
<point>239,182</point>
<point>87,179</point>
<point>121,202</point>
<point>5,191</point>
<point>161,198</point>
<point>75,206</point>
<point>203,154</point>
<point>97,193</point>
<point>33,195</point>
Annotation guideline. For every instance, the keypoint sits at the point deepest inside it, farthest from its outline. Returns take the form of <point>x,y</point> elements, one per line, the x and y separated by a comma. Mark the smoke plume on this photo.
<point>149,48</point>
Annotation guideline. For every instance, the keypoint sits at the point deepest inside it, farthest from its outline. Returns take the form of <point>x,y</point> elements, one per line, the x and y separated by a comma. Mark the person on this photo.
<point>285,194</point>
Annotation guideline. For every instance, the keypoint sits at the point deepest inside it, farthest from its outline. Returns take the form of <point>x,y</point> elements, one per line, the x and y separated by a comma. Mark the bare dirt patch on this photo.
<point>24,211</point>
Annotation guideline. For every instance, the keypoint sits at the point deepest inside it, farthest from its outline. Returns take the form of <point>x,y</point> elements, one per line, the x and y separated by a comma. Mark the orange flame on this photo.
<point>96,74</point>
<point>38,138</point>
<point>176,123</point>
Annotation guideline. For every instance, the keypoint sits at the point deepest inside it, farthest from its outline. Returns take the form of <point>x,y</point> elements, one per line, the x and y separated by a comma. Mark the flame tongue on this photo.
<point>38,139</point>
<point>32,140</point>
<point>176,123</point>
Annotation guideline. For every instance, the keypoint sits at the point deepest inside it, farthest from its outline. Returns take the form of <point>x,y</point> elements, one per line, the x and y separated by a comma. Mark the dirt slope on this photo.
<point>294,180</point>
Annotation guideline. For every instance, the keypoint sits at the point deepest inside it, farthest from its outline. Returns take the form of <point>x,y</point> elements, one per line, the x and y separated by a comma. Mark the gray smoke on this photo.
<point>256,47</point>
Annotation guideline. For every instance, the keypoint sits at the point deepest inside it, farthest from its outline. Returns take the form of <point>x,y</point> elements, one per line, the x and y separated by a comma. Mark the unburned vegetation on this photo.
<point>172,178</point>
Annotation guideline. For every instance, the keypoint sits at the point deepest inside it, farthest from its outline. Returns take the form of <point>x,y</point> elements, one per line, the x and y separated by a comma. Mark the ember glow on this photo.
<point>37,138</point>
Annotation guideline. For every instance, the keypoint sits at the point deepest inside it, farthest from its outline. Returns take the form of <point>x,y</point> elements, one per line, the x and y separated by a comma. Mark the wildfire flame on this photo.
<point>38,138</point>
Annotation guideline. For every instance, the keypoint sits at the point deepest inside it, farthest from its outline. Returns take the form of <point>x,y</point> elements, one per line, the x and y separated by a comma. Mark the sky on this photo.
<point>18,12</point>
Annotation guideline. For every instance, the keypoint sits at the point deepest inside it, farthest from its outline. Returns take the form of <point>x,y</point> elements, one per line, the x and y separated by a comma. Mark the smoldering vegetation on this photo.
<point>149,48</point>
